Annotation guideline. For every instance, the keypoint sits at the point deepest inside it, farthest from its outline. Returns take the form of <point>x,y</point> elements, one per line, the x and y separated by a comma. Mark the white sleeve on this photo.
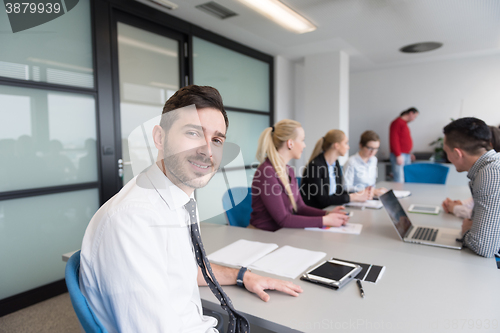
<point>374,171</point>
<point>469,203</point>
<point>462,211</point>
<point>349,176</point>
<point>131,273</point>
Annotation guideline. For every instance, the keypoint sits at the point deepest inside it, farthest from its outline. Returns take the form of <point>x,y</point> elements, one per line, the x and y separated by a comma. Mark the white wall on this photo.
<point>283,89</point>
<point>321,88</point>
<point>440,90</point>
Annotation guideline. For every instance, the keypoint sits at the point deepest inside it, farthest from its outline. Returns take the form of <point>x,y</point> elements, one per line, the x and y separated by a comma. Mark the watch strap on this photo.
<point>239,279</point>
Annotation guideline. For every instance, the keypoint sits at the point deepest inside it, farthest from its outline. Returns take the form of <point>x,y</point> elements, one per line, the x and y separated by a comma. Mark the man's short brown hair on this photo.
<point>201,96</point>
<point>469,134</point>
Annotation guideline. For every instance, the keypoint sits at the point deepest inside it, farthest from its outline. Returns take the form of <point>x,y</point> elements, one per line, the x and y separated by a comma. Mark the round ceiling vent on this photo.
<point>420,47</point>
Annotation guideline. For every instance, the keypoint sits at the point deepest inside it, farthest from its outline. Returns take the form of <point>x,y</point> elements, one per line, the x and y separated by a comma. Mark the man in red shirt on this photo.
<point>401,143</point>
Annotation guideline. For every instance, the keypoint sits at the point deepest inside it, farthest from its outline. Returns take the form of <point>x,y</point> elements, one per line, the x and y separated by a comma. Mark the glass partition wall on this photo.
<point>49,182</point>
<point>244,83</point>
<point>149,73</point>
<point>72,91</point>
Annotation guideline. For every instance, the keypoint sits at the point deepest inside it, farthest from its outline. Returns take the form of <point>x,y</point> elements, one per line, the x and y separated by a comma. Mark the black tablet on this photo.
<point>332,273</point>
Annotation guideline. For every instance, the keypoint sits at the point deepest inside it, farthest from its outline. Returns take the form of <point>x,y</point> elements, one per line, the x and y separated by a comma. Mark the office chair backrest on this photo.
<point>238,214</point>
<point>86,316</point>
<point>299,180</point>
<point>431,173</point>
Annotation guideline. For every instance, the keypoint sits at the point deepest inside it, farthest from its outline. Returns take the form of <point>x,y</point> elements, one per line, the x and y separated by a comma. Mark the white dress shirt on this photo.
<point>359,174</point>
<point>138,270</point>
<point>464,211</point>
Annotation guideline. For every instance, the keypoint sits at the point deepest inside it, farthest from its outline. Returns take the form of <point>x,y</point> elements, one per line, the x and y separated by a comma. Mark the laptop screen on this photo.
<point>396,213</point>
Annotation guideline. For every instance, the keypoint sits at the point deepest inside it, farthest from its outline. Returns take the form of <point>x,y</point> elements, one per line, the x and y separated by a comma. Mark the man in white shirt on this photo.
<point>138,269</point>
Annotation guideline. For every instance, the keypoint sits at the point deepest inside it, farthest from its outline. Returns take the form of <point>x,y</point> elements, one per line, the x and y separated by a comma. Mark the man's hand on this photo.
<point>257,284</point>
<point>400,160</point>
<point>445,204</point>
<point>379,191</point>
<point>466,225</point>
<point>413,158</point>
<point>449,205</point>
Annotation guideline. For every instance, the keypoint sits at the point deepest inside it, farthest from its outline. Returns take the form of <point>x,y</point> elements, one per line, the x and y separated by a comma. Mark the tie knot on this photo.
<point>191,206</point>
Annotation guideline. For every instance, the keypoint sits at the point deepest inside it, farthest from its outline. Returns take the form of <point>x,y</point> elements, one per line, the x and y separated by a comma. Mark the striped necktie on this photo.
<point>237,323</point>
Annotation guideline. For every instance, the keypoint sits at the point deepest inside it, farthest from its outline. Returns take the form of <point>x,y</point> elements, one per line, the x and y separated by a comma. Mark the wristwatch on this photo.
<point>239,279</point>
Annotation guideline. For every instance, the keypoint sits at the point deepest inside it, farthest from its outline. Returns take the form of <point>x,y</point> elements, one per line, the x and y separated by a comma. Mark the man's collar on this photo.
<point>173,196</point>
<point>479,163</point>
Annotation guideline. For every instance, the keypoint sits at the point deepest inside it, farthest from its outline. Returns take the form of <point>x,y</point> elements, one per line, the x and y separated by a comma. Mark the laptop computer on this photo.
<point>442,237</point>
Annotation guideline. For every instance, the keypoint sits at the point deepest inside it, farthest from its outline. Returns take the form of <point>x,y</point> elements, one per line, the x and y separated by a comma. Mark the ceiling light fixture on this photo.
<point>420,47</point>
<point>281,14</point>
<point>213,8</point>
<point>167,4</point>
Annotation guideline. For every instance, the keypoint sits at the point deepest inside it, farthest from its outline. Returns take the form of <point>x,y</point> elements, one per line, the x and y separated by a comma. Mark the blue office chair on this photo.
<point>86,316</point>
<point>431,173</point>
<point>237,203</point>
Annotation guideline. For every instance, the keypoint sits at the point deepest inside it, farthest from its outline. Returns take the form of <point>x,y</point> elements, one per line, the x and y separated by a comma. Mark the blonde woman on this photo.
<point>276,202</point>
<point>322,182</point>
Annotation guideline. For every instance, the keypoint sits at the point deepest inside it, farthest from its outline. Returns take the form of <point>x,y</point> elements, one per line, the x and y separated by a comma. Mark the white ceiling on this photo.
<point>370,31</point>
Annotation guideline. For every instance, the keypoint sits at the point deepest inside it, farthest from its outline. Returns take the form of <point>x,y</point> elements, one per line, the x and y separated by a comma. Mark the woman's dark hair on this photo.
<point>201,96</point>
<point>368,136</point>
<point>469,134</point>
<point>412,110</point>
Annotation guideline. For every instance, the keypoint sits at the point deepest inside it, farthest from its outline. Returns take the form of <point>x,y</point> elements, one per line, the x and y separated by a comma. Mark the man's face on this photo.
<point>413,116</point>
<point>453,157</point>
<point>192,148</point>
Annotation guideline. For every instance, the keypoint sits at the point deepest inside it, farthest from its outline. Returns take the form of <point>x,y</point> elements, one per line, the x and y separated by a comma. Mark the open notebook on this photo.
<point>287,261</point>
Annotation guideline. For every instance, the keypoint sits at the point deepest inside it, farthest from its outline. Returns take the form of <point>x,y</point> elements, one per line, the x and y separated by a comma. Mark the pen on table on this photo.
<point>361,291</point>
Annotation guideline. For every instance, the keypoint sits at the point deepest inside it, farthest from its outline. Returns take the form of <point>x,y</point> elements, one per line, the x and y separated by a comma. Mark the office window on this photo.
<point>58,52</point>
<point>148,66</point>
<point>47,138</point>
<point>242,80</point>
<point>244,130</point>
<point>35,232</point>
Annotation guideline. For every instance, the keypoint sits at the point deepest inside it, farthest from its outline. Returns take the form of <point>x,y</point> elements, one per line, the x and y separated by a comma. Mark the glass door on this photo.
<point>150,70</point>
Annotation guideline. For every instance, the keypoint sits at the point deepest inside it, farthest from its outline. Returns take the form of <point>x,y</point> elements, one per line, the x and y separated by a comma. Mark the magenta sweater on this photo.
<point>271,207</point>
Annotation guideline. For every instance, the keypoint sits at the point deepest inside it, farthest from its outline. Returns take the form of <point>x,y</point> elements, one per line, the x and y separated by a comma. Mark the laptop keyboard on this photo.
<point>427,234</point>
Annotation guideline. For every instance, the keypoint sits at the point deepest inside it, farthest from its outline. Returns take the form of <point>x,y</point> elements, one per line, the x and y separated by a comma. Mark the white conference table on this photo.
<point>423,289</point>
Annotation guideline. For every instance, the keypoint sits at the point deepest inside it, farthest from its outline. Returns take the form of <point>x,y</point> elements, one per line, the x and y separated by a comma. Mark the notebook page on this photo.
<point>288,261</point>
<point>241,253</point>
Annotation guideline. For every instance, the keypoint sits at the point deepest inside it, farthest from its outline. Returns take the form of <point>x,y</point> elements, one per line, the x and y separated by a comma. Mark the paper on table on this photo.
<point>349,228</point>
<point>401,194</point>
<point>242,253</point>
<point>374,204</point>
<point>288,261</point>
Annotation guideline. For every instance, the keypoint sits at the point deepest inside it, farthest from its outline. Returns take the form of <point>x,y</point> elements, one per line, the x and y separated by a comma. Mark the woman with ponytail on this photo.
<point>276,202</point>
<point>322,181</point>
